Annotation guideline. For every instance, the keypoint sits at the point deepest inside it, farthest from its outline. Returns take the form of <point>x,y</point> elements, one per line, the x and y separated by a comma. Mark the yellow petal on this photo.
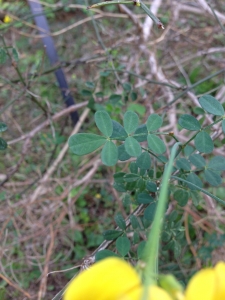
<point>154,293</point>
<point>157,293</point>
<point>202,286</point>
<point>220,281</point>
<point>109,279</point>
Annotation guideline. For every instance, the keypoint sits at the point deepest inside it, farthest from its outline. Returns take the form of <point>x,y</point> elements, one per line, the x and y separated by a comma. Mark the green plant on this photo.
<point>143,147</point>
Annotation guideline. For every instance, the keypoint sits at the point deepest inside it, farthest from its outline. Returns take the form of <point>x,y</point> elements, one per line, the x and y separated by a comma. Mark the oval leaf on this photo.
<point>118,177</point>
<point>3,127</point>
<point>131,177</point>
<point>119,187</point>
<point>114,98</point>
<point>176,249</point>
<point>102,254</point>
<point>140,184</point>
<point>151,186</point>
<point>120,221</point>
<point>193,178</point>
<point>133,167</point>
<point>181,197</point>
<point>156,144</point>
<point>212,178</point>
<point>149,212</point>
<point>140,249</point>
<point>188,150</point>
<point>217,163</point>
<point>144,198</point>
<point>132,146</point>
<point>119,132</point>
<point>141,133</point>
<point>144,161</point>
<point>110,235</point>
<point>203,142</point>
<point>130,121</point>
<point>123,245</point>
<point>109,155</point>
<point>134,222</point>
<point>3,144</point>
<point>189,122</point>
<point>104,122</point>
<point>3,56</point>
<point>223,126</point>
<point>15,54</point>
<point>154,122</point>
<point>183,164</point>
<point>211,105</point>
<point>84,143</point>
<point>197,160</point>
<point>122,154</point>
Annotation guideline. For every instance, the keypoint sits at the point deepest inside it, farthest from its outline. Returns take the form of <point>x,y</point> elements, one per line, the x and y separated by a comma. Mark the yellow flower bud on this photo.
<point>7,19</point>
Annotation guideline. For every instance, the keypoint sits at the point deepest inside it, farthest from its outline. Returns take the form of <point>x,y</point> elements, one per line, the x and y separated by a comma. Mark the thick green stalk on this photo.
<point>150,256</point>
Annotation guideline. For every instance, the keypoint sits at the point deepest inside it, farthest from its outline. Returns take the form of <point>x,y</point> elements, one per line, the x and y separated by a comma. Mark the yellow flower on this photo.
<point>111,279</point>
<point>115,279</point>
<point>207,284</point>
<point>7,19</point>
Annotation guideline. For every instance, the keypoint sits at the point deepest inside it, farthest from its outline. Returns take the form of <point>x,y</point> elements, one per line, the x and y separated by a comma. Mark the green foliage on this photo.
<point>189,122</point>
<point>141,183</point>
<point>82,143</point>
<point>203,142</point>
<point>120,136</point>
<point>211,105</point>
<point>104,123</point>
<point>123,245</point>
<point>3,143</point>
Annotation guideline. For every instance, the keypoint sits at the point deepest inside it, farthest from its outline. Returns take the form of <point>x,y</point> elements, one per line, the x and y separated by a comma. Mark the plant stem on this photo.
<point>191,87</point>
<point>150,256</point>
<point>200,189</point>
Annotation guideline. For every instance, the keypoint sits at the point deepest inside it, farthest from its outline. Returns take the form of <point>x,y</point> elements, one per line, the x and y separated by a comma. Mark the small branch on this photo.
<point>53,167</point>
<point>42,289</point>
<point>15,286</point>
<point>58,115</point>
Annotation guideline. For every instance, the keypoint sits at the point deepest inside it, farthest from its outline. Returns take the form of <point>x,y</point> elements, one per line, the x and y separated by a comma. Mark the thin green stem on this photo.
<point>217,121</point>
<point>200,189</point>
<point>151,15</point>
<point>216,17</point>
<point>11,102</point>
<point>153,154</point>
<point>109,3</point>
<point>104,48</point>
<point>14,64</point>
<point>191,87</point>
<point>146,79</point>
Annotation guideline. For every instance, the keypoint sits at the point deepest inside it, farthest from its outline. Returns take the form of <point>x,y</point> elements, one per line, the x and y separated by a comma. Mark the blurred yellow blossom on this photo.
<point>111,279</point>
<point>115,279</point>
<point>7,19</point>
<point>207,284</point>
